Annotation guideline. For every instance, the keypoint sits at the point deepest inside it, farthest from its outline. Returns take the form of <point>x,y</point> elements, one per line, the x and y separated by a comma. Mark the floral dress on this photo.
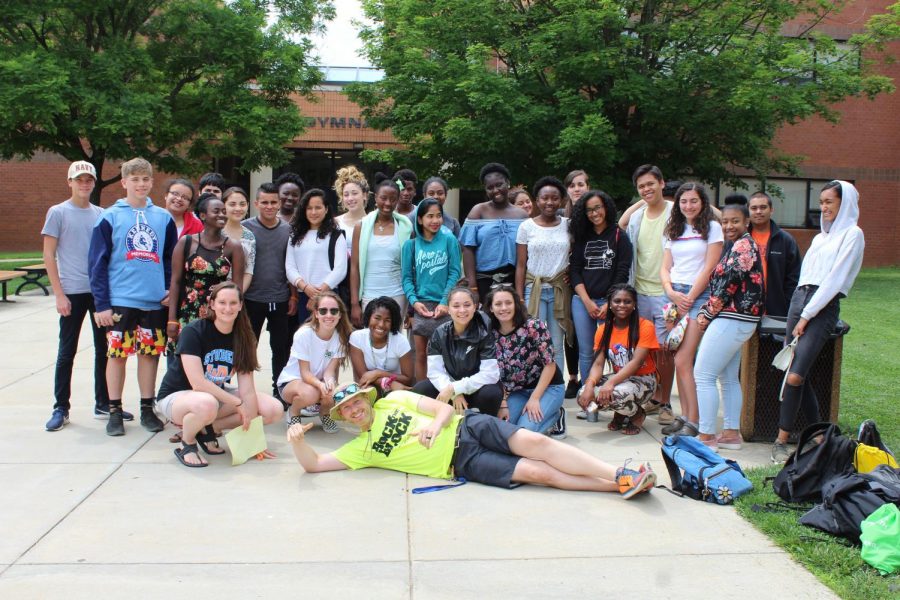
<point>203,268</point>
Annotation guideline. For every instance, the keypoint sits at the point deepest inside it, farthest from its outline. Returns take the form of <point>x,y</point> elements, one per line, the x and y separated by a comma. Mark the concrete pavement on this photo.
<point>88,516</point>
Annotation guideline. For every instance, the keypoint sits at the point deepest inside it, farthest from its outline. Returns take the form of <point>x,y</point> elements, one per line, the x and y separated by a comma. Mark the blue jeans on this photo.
<point>585,329</point>
<point>551,401</point>
<point>719,357</point>
<point>545,314</point>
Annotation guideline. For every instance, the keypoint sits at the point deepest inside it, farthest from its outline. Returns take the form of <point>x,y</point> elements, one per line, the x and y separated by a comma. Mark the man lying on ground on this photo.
<point>413,434</point>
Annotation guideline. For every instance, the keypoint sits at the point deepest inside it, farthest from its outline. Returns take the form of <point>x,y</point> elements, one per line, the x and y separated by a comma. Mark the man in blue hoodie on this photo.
<point>130,263</point>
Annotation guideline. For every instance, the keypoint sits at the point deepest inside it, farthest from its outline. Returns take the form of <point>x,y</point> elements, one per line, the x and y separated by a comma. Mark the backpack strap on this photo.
<point>332,242</point>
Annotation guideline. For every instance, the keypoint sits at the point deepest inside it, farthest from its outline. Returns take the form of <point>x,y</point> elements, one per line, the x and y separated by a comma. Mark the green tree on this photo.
<point>174,81</point>
<point>696,86</point>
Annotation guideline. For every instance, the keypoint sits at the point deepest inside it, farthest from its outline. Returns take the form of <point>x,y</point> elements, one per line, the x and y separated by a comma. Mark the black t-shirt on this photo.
<point>215,349</point>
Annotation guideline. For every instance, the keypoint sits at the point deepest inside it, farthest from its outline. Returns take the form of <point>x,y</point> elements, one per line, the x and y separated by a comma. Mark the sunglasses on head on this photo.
<point>347,391</point>
<point>325,311</point>
<point>506,287</point>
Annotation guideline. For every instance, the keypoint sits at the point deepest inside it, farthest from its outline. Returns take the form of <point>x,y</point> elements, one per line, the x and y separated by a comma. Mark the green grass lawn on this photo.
<point>869,372</point>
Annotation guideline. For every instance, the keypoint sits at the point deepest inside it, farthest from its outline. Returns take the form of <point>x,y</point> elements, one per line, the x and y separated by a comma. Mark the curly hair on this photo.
<point>347,175</point>
<point>300,224</point>
<point>493,168</point>
<point>290,178</point>
<point>390,305</point>
<point>549,181</point>
<point>677,221</point>
<point>580,226</point>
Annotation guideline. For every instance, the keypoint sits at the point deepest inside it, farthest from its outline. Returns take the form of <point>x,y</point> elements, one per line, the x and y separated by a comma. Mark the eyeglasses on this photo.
<point>347,391</point>
<point>184,197</point>
<point>324,311</point>
<point>593,210</point>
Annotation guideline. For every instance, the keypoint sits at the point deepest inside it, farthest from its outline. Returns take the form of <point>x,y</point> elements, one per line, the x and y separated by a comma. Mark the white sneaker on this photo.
<point>310,411</point>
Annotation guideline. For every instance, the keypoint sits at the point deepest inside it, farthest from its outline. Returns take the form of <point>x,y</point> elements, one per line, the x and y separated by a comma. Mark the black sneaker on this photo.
<point>116,424</point>
<point>572,388</point>
<point>150,421</point>
<point>101,412</point>
<point>559,431</point>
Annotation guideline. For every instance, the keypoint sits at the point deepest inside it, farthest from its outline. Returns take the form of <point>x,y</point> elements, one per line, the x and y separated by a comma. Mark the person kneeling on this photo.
<point>209,352</point>
<point>410,433</point>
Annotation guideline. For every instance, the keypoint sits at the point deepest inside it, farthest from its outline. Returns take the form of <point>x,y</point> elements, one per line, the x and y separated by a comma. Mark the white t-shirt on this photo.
<point>310,347</point>
<point>548,247</point>
<point>384,359</point>
<point>689,252</point>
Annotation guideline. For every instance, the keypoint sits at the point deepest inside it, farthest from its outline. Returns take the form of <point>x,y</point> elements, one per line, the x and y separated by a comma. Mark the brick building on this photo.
<point>863,148</point>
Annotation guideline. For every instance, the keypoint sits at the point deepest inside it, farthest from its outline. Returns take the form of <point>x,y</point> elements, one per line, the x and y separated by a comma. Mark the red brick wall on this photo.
<point>30,188</point>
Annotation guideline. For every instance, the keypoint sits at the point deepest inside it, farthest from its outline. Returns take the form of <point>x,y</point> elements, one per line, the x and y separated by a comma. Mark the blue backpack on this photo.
<point>706,475</point>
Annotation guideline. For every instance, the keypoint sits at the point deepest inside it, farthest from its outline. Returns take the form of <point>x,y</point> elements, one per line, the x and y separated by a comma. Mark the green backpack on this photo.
<point>881,539</point>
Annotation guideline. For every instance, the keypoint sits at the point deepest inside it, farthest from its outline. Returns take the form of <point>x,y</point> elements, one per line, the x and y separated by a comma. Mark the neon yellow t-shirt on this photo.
<point>649,256</point>
<point>389,445</point>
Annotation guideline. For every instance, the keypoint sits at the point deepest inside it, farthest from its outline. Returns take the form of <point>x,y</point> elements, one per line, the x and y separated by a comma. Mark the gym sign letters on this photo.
<point>337,123</point>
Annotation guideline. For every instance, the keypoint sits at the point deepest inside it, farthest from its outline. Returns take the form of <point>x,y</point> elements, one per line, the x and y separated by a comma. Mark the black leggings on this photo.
<point>487,399</point>
<point>802,397</point>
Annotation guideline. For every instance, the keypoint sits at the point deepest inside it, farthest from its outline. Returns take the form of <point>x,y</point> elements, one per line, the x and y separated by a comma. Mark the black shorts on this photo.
<point>136,331</point>
<point>484,454</point>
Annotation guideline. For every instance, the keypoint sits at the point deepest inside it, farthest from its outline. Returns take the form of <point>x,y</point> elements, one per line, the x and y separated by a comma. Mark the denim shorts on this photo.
<point>651,308</point>
<point>698,303</point>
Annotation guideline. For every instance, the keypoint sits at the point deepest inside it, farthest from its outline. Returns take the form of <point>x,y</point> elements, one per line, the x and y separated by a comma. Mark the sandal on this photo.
<point>635,422</point>
<point>617,423</point>
<point>186,449</point>
<point>175,438</point>
<point>208,436</point>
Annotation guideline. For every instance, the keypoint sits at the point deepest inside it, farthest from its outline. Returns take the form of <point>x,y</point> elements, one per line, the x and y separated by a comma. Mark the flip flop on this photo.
<point>635,422</point>
<point>617,423</point>
<point>175,438</point>
<point>208,436</point>
<point>186,449</point>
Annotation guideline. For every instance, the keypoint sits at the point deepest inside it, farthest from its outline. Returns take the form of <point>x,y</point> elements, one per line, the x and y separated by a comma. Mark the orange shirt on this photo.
<point>762,242</point>
<point>618,346</point>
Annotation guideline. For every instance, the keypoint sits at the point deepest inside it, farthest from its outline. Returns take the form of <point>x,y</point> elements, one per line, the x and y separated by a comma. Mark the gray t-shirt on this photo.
<point>72,227</point>
<point>270,282</point>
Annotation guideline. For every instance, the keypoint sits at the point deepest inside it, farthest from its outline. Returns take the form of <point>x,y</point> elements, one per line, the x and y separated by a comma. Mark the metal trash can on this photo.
<point>761,382</point>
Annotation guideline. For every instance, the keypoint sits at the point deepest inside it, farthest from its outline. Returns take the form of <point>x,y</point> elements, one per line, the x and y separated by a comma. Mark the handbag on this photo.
<point>782,362</point>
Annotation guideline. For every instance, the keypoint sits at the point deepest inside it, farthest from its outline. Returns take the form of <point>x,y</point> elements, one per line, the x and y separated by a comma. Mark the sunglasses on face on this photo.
<point>347,391</point>
<point>324,311</point>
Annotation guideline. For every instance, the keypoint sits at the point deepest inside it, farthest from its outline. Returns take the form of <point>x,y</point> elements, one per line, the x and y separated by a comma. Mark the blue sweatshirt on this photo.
<point>130,257</point>
<point>434,270</point>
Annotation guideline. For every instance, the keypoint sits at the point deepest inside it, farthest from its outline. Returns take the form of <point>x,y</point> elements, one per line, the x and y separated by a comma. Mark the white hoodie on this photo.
<point>835,255</point>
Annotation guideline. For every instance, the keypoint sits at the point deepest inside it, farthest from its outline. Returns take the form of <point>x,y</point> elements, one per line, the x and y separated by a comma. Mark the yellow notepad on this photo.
<point>244,445</point>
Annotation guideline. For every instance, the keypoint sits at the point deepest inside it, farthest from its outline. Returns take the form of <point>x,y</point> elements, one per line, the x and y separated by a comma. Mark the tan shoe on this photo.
<point>666,417</point>
<point>651,407</point>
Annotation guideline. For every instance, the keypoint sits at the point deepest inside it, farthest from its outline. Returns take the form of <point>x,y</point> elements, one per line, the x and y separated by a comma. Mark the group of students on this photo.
<point>490,306</point>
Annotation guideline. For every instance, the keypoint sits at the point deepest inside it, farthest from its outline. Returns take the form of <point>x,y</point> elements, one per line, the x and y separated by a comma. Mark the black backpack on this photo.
<point>806,471</point>
<point>847,500</point>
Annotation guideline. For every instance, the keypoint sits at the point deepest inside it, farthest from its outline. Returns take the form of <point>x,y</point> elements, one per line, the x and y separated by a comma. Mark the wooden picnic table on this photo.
<point>32,276</point>
<point>6,277</point>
